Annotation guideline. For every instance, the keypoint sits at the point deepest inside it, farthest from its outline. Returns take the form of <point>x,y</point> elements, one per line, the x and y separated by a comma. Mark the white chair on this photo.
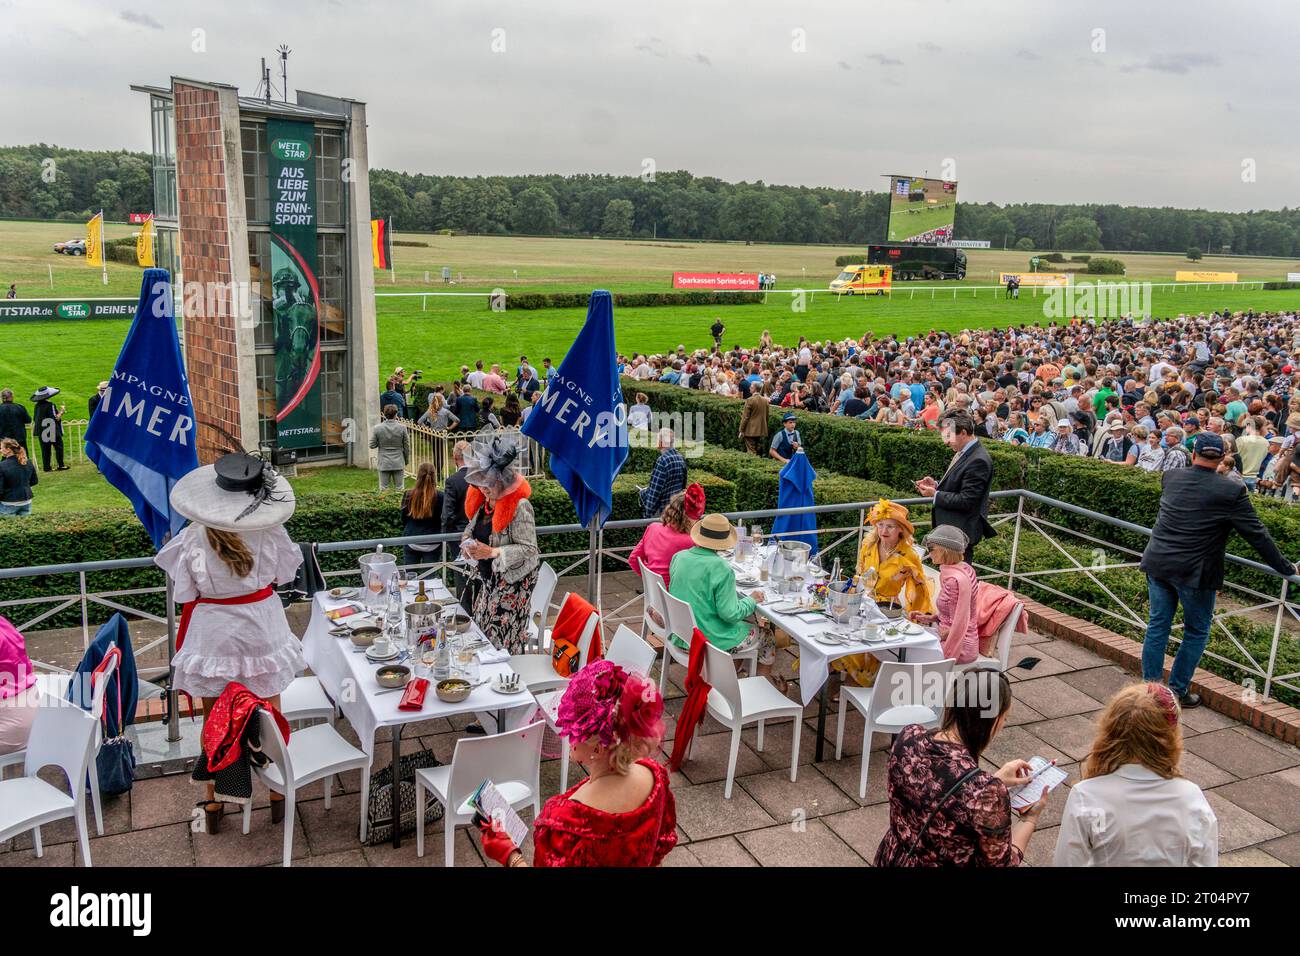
<point>539,606</point>
<point>652,591</point>
<point>681,621</point>
<point>1003,645</point>
<point>735,701</point>
<point>511,760</point>
<point>538,672</point>
<point>906,692</point>
<point>62,736</point>
<point>305,699</point>
<point>313,753</point>
<point>630,652</point>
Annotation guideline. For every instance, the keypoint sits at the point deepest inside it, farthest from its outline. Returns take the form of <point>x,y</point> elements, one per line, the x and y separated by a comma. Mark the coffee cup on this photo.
<point>382,647</point>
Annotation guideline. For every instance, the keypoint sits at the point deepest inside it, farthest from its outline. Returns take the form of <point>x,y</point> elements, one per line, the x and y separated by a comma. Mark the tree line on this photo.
<point>674,205</point>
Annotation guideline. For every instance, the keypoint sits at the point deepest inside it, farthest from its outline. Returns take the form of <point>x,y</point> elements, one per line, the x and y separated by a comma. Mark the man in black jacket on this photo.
<point>14,418</point>
<point>454,518</point>
<point>1183,562</point>
<point>961,496</point>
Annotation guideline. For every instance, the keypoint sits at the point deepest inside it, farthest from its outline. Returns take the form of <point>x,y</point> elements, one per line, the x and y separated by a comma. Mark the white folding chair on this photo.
<point>52,686</point>
<point>313,753</point>
<point>511,760</point>
<point>630,652</point>
<point>652,602</point>
<point>903,694</point>
<point>1002,648</point>
<point>735,701</point>
<point>305,699</point>
<point>62,736</point>
<point>539,606</point>
<point>538,672</point>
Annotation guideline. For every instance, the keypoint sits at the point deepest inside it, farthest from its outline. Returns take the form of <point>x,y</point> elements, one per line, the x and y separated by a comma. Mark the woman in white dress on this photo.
<point>1133,807</point>
<point>223,567</point>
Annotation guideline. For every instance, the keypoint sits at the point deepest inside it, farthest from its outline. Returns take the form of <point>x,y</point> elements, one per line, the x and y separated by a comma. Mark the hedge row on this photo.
<point>894,457</point>
<point>578,300</point>
<point>1281,285</point>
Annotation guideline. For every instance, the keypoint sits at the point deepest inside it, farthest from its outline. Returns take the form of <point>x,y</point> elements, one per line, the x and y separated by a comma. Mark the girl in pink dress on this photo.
<point>957,618</point>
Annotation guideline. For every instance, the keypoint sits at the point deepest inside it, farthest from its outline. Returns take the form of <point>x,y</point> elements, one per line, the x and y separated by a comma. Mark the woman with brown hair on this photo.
<point>422,512</point>
<point>1133,806</point>
<point>224,566</point>
<point>17,475</point>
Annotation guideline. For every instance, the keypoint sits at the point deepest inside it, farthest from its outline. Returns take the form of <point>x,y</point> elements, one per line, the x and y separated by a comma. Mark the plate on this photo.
<point>832,640</point>
<point>910,629</point>
<point>522,688</point>
<point>784,607</point>
<point>375,658</point>
<point>342,594</point>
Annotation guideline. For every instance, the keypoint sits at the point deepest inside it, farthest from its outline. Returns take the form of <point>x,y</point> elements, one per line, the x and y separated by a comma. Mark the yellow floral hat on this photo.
<point>884,509</point>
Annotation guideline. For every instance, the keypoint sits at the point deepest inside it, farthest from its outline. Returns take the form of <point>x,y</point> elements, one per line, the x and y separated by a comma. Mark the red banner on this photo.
<point>138,216</point>
<point>722,281</point>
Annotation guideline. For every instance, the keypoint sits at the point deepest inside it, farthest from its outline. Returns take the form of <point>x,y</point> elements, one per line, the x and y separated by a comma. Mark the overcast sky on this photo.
<point>1155,103</point>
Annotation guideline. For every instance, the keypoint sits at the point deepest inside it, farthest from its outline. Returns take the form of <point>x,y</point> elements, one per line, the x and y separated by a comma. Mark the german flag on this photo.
<point>381,244</point>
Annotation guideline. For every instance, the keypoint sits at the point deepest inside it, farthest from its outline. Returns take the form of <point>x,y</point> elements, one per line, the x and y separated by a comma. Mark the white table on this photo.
<point>815,658</point>
<point>349,679</point>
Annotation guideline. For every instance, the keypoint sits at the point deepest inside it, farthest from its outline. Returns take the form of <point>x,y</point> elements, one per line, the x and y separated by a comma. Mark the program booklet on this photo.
<point>488,801</point>
<point>1045,778</point>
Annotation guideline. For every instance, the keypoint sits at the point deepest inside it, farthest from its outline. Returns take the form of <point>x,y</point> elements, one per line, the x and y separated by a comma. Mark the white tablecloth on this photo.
<point>815,658</point>
<point>349,679</point>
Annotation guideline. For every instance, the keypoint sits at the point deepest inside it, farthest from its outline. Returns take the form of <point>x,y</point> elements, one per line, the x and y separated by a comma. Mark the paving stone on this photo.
<point>1286,849</point>
<point>347,858</point>
<point>1027,640</point>
<point>264,843</point>
<point>1048,664</point>
<point>702,812</point>
<point>1251,856</point>
<point>1019,743</point>
<point>1203,773</point>
<point>862,829</point>
<point>1203,720</point>
<point>62,855</point>
<point>1268,797</point>
<point>164,800</point>
<point>1071,735</point>
<point>722,851</point>
<point>681,855</point>
<point>777,739</point>
<point>160,846</point>
<point>1237,753</point>
<point>812,845</point>
<point>1053,697</point>
<point>1076,657</point>
<point>845,773</point>
<point>1237,827</point>
<point>812,795</point>
<point>466,853</point>
<point>1021,713</point>
<point>335,829</point>
<point>1100,683</point>
<point>709,755</point>
<point>1042,845</point>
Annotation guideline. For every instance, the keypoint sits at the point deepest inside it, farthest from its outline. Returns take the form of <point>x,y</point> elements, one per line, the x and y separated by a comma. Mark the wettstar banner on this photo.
<point>721,281</point>
<point>295,292</point>
<point>40,310</point>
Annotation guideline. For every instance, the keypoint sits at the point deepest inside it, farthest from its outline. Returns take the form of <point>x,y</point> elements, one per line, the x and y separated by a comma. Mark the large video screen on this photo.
<point>921,210</point>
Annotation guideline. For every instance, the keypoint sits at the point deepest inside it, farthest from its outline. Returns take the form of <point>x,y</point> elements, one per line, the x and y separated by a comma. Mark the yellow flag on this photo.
<point>95,240</point>
<point>144,244</point>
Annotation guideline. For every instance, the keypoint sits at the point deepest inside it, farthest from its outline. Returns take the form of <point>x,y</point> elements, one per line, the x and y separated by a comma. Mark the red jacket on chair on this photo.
<point>697,696</point>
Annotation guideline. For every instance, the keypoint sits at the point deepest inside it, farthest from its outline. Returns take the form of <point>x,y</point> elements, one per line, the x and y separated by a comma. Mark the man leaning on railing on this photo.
<point>1183,562</point>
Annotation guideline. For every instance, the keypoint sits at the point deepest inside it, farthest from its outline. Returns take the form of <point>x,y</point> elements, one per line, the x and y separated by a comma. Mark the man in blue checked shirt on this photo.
<point>668,477</point>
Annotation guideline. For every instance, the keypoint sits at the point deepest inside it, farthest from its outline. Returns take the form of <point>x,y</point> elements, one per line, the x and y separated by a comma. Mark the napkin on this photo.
<point>413,696</point>
<point>493,655</point>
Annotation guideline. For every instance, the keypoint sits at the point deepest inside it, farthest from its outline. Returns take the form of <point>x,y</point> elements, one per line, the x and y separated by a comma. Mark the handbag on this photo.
<point>379,809</point>
<point>115,762</point>
<point>920,834</point>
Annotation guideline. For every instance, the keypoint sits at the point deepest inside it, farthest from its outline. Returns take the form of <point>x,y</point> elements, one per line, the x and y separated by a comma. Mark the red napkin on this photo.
<point>413,696</point>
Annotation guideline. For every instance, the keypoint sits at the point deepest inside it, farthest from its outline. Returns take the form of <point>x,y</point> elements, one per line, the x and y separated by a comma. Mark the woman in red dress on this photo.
<point>623,814</point>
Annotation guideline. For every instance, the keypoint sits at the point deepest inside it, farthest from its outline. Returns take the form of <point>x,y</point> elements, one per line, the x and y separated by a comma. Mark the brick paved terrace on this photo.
<point>1251,780</point>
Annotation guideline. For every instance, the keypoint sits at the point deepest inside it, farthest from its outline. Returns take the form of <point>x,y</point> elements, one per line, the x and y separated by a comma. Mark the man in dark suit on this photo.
<point>14,418</point>
<point>961,496</point>
<point>454,518</point>
<point>1183,562</point>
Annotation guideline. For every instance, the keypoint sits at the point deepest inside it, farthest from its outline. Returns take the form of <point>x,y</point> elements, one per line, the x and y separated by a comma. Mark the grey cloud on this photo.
<point>843,66</point>
<point>701,58</point>
<point>653,46</point>
<point>1025,54</point>
<point>141,19</point>
<point>884,60</point>
<point>1178,64</point>
<point>930,47</point>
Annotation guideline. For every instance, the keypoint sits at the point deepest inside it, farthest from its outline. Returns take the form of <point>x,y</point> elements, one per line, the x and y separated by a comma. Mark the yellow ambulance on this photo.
<point>863,280</point>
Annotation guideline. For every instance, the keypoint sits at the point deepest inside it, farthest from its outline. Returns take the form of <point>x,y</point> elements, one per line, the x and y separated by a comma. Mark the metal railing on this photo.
<point>1033,519</point>
<point>434,446</point>
<point>74,440</point>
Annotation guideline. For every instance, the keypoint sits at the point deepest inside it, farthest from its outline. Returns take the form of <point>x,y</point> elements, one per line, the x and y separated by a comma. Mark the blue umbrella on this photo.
<point>796,491</point>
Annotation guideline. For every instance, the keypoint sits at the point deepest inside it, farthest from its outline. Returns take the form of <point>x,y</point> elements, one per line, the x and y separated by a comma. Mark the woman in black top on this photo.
<point>422,513</point>
<point>510,412</point>
<point>17,475</point>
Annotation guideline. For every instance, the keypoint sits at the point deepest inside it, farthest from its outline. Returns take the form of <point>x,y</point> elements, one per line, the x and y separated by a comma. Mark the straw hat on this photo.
<point>239,492</point>
<point>714,532</point>
<point>885,510</point>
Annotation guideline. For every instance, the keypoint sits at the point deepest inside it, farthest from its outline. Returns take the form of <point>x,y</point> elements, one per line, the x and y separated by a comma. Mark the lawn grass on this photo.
<point>82,488</point>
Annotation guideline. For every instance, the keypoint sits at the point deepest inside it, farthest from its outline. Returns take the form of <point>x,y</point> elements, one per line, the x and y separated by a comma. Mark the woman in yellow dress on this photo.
<point>887,564</point>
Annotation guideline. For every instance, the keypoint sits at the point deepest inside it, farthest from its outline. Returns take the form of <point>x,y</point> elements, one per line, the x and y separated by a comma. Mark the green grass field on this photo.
<point>913,219</point>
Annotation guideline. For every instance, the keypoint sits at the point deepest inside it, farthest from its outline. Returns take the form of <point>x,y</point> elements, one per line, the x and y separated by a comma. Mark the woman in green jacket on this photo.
<point>704,579</point>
